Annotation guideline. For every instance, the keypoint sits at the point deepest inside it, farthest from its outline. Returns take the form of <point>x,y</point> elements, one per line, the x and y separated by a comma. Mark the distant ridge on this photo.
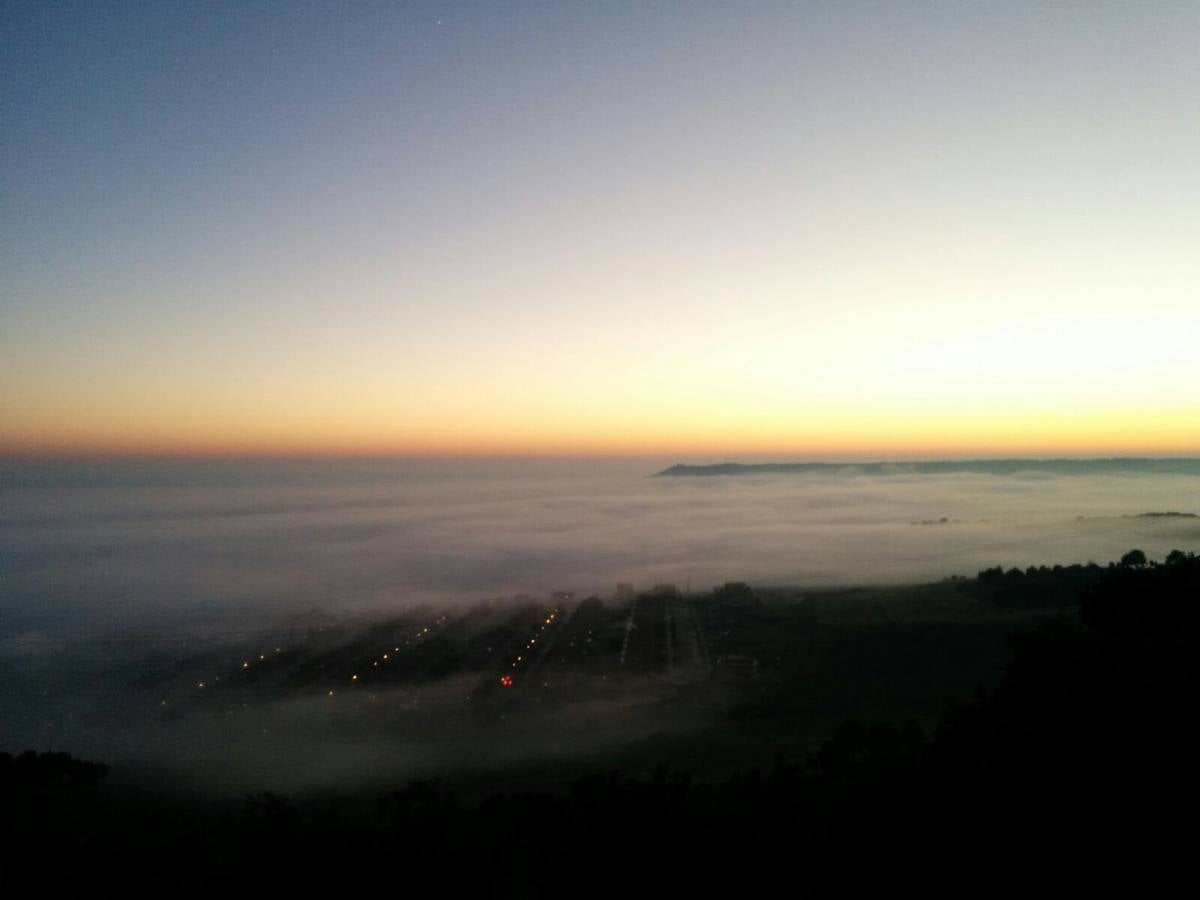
<point>1177,466</point>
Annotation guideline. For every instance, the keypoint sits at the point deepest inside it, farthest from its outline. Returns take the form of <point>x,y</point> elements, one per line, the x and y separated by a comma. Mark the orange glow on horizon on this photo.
<point>881,436</point>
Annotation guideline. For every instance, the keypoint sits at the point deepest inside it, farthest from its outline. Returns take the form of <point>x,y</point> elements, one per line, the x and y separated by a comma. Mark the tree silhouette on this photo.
<point>1134,559</point>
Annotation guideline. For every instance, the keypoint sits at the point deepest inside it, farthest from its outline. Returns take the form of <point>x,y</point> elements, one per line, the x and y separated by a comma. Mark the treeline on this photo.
<point>40,770</point>
<point>1076,770</point>
<point>1043,587</point>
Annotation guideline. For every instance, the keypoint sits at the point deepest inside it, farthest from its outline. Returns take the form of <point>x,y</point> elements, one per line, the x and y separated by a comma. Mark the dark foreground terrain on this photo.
<point>819,750</point>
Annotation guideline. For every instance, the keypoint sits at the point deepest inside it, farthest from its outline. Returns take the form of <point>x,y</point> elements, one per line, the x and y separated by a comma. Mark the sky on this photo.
<point>798,230</point>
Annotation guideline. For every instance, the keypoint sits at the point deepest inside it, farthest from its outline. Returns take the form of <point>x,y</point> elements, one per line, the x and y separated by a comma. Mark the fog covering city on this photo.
<point>128,585</point>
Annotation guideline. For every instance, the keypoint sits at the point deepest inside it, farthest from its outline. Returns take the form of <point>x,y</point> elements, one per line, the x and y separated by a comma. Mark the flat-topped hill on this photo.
<point>1175,466</point>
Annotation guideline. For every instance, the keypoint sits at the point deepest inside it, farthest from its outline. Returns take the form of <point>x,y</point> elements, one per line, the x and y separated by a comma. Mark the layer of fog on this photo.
<point>311,744</point>
<point>101,566</point>
<point>96,556</point>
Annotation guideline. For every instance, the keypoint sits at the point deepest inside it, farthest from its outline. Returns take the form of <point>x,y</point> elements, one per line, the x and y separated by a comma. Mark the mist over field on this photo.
<point>113,571</point>
<point>230,546</point>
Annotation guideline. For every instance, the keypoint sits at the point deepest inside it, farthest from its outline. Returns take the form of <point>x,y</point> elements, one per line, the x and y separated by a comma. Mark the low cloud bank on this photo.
<point>88,557</point>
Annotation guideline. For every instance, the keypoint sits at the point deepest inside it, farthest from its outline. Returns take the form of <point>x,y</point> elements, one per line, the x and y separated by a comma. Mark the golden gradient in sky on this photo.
<point>896,365</point>
<point>815,233</point>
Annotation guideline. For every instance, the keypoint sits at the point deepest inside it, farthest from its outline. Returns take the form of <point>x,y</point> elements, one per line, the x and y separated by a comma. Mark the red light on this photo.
<point>506,680</point>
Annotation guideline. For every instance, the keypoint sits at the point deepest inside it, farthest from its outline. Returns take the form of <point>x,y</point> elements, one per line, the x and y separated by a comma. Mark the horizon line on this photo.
<point>715,459</point>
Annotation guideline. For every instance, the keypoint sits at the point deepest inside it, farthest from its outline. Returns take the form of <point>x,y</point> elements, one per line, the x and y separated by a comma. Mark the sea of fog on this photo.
<point>113,570</point>
<point>93,548</point>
